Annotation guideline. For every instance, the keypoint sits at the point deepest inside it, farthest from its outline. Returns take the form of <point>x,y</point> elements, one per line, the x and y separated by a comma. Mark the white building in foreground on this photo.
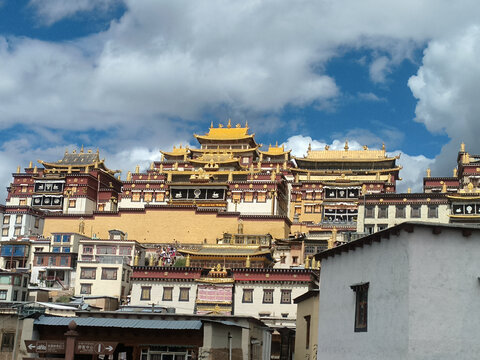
<point>409,292</point>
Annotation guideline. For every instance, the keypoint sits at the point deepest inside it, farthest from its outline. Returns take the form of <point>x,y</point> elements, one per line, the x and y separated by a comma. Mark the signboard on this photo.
<point>45,346</point>
<point>91,347</point>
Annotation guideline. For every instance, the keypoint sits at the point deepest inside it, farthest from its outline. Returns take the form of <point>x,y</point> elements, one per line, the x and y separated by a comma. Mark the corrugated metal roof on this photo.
<point>122,323</point>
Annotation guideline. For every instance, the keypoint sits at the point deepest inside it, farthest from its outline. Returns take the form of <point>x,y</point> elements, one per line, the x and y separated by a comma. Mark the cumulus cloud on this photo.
<point>51,11</point>
<point>447,87</point>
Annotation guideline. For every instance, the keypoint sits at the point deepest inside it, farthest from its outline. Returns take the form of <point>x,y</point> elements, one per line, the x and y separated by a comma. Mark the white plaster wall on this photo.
<point>443,218</point>
<point>128,203</point>
<point>182,307</point>
<point>276,309</point>
<point>444,320</point>
<point>101,287</point>
<point>255,208</point>
<point>385,266</point>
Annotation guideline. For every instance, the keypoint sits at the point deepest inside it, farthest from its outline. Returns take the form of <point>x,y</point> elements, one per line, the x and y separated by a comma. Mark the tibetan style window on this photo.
<point>6,220</point>
<point>3,294</point>
<point>23,202</point>
<point>86,289</point>
<point>400,211</point>
<point>433,211</point>
<point>308,208</point>
<point>109,274</point>
<point>37,222</point>
<point>17,231</point>
<point>8,340</point>
<point>295,259</point>
<point>282,259</point>
<point>383,212</point>
<point>298,210</point>
<point>5,232</point>
<point>286,297</point>
<point>160,196</point>
<point>361,306</point>
<point>268,296</point>
<point>369,212</point>
<point>381,227</point>
<point>236,196</point>
<point>72,203</point>
<point>248,197</point>
<point>184,294</point>
<point>261,197</point>
<point>309,196</point>
<point>167,294</point>
<point>317,209</point>
<point>136,196</point>
<point>247,296</point>
<point>88,273</point>
<point>18,219</point>
<point>415,211</point>
<point>146,293</point>
<point>148,196</point>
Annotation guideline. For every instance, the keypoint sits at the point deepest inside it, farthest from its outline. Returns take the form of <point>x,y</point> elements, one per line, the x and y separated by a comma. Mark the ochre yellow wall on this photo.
<point>167,225</point>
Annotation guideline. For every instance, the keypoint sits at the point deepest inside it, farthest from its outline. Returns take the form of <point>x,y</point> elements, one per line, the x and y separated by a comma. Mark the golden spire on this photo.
<point>151,165</point>
<point>229,124</point>
<point>30,165</point>
<point>187,261</point>
<point>314,264</point>
<point>129,176</point>
<point>383,146</point>
<point>429,172</point>
<point>409,190</point>
<point>462,147</point>
<point>309,147</point>
<point>455,174</point>
<point>307,262</point>
<point>346,145</point>
<point>247,262</point>
<point>81,149</point>
<point>246,124</point>
<point>444,187</point>
<point>135,261</point>
<point>18,169</point>
<point>137,169</point>
<point>211,125</point>
<point>151,260</point>
<point>35,169</point>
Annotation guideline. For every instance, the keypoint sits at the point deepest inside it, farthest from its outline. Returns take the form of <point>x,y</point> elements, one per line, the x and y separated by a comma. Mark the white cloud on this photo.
<point>412,173</point>
<point>369,97</point>
<point>379,69</point>
<point>447,87</point>
<point>51,11</point>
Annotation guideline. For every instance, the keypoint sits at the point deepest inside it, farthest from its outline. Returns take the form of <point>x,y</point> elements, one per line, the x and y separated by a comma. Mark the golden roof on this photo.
<point>226,133</point>
<point>180,151</point>
<point>347,155</point>
<point>275,150</point>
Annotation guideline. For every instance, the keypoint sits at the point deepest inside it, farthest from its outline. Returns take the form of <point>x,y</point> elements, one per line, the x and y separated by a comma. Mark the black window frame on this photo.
<point>361,306</point>
<point>265,299</point>
<point>245,300</point>
<point>143,293</point>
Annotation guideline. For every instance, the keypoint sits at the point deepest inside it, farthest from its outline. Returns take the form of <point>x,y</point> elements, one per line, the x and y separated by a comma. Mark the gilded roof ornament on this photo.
<point>327,147</point>
<point>429,172</point>
<point>81,149</point>
<point>18,169</point>
<point>383,146</point>
<point>346,145</point>
<point>229,124</point>
<point>309,147</point>
<point>455,172</point>
<point>462,147</point>
<point>365,147</point>
<point>30,165</point>
<point>137,169</point>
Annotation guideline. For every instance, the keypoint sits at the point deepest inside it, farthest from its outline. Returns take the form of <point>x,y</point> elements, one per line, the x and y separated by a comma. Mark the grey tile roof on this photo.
<point>121,323</point>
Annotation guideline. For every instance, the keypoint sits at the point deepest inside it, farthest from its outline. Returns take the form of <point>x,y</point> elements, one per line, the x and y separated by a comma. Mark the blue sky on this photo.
<point>133,77</point>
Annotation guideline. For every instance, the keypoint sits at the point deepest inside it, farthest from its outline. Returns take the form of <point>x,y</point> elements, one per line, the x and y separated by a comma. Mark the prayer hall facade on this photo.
<point>227,184</point>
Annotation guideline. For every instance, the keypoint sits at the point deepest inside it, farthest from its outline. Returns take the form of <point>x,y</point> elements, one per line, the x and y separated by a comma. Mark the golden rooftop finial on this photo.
<point>151,165</point>
<point>187,261</point>
<point>211,125</point>
<point>66,151</point>
<point>309,147</point>
<point>137,169</point>
<point>444,187</point>
<point>327,147</point>
<point>229,124</point>
<point>98,151</point>
<point>409,190</point>
<point>307,262</point>
<point>246,124</point>
<point>30,165</point>
<point>129,176</point>
<point>455,174</point>
<point>462,147</point>
<point>247,262</point>
<point>81,149</point>
<point>429,172</point>
<point>276,143</point>
<point>35,169</point>
<point>346,145</point>
<point>18,169</point>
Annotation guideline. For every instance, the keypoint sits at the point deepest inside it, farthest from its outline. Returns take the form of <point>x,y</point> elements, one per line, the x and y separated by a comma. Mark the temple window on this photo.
<point>85,289</point>
<point>184,294</point>
<point>24,189</point>
<point>88,273</point>
<point>268,296</point>
<point>8,338</point>
<point>147,197</point>
<point>245,160</point>
<point>317,208</point>
<point>167,294</point>
<point>308,208</point>
<point>23,202</point>
<point>381,227</point>
<point>433,211</point>
<point>88,249</point>
<point>248,197</point>
<point>136,196</point>
<point>261,197</point>
<point>6,220</point>
<point>295,259</point>
<point>383,212</point>
<point>369,212</point>
<point>361,306</point>
<point>160,196</point>
<point>104,249</point>
<point>146,293</point>
<point>400,211</point>
<point>18,219</point>
<point>298,210</point>
<point>369,229</point>
<point>72,203</point>
<point>5,232</point>
<point>282,259</point>
<point>247,296</point>
<point>37,223</point>
<point>309,196</point>
<point>415,211</point>
<point>17,231</point>
<point>109,274</point>
<point>286,297</point>
<point>236,196</point>
<point>125,250</point>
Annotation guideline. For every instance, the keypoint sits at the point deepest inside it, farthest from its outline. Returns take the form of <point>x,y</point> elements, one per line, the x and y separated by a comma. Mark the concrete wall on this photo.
<point>385,266</point>
<point>103,287</point>
<point>423,298</point>
<point>443,211</point>
<point>181,307</point>
<point>257,306</point>
<point>167,225</point>
<point>308,307</point>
